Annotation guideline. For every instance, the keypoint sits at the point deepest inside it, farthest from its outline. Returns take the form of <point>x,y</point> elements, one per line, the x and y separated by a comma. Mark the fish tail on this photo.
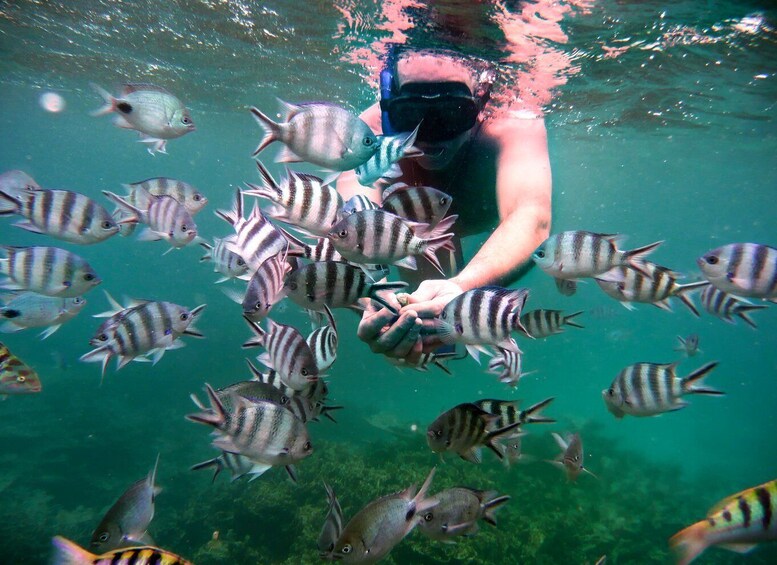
<point>635,257</point>
<point>216,462</point>
<point>420,502</point>
<point>108,98</point>
<point>258,340</point>
<point>491,438</point>
<point>215,415</point>
<point>492,506</point>
<point>208,251</point>
<point>135,215</point>
<point>692,383</point>
<point>236,213</point>
<point>272,130</point>
<point>689,543</point>
<point>431,245</point>
<point>573,324</point>
<point>68,553</point>
<point>532,414</point>
<point>9,204</point>
<point>683,293</point>
<point>100,355</point>
<point>270,188</point>
<point>742,311</point>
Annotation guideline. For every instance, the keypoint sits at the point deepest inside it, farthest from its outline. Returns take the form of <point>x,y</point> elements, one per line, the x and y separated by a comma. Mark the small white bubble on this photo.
<point>51,102</point>
<point>413,427</point>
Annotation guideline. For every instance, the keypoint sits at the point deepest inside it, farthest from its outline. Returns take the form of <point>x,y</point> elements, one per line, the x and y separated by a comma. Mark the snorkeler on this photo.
<point>493,163</point>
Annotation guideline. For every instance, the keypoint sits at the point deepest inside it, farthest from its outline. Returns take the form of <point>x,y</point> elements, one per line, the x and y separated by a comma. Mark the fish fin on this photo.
<point>134,214</point>
<point>215,415</point>
<point>532,416</point>
<point>9,204</point>
<point>689,543</point>
<point>420,502</point>
<point>224,443</point>
<point>147,234</point>
<point>492,506</point>
<point>663,304</point>
<point>628,306</point>
<point>100,355</point>
<point>742,311</point>
<point>68,553</point>
<point>10,327</point>
<point>692,383</point>
<point>48,331</point>
<point>573,324</point>
<point>635,257</point>
<point>614,275</point>
<point>472,455</point>
<point>110,101</point>
<point>29,226</point>
<point>561,442</point>
<point>432,244</point>
<point>408,262</point>
<point>216,462</point>
<point>286,155</point>
<point>492,437</point>
<point>272,130</point>
<point>233,294</point>
<point>292,471</point>
<point>152,483</point>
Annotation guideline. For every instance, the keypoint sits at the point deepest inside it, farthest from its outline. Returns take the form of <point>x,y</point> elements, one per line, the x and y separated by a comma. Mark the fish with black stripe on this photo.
<point>458,511</point>
<point>304,200</point>
<point>648,389</point>
<point>336,285</point>
<point>483,316</point>
<point>375,236</point>
<point>416,203</point>
<point>464,429</point>
<point>382,167</point>
<point>744,269</point>
<point>508,412</point>
<point>238,465</point>
<point>317,391</point>
<point>63,214</point>
<point>357,203</point>
<point>725,306</point>
<point>225,262</point>
<point>16,377</point>
<point>265,289</point>
<point>46,270</point>
<point>151,327</point>
<point>192,199</point>
<point>737,523</point>
<point>508,364</point>
<point>543,323</point>
<point>68,553</point>
<point>256,238</point>
<point>333,524</point>
<point>576,254</point>
<point>323,342</point>
<point>423,361</point>
<point>287,353</point>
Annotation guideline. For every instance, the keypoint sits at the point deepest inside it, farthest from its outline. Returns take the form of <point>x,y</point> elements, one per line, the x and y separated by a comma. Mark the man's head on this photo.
<point>439,90</point>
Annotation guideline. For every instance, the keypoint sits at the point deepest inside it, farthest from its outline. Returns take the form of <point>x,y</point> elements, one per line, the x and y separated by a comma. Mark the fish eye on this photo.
<point>103,337</point>
<point>107,224</point>
<point>346,549</point>
<point>438,433</point>
<point>186,120</point>
<point>611,392</point>
<point>258,306</point>
<point>284,399</point>
<point>89,277</point>
<point>428,516</point>
<point>184,316</point>
<point>293,285</point>
<point>368,141</point>
<point>304,371</point>
<point>307,446</point>
<point>240,262</point>
<point>21,379</point>
<point>540,254</point>
<point>78,300</point>
<point>443,201</point>
<point>105,536</point>
<point>183,227</point>
<point>197,197</point>
<point>711,259</point>
<point>343,234</point>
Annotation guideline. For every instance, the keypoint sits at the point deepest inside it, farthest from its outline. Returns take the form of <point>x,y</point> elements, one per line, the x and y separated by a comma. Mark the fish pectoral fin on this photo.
<point>29,226</point>
<point>738,547</point>
<point>286,155</point>
<point>472,455</point>
<point>147,234</point>
<point>142,539</point>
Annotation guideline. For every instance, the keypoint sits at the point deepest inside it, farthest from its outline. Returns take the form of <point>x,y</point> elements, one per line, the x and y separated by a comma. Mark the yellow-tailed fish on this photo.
<point>68,553</point>
<point>15,376</point>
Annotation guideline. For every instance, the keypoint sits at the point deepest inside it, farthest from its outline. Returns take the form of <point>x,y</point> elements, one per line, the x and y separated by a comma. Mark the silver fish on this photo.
<point>458,511</point>
<point>333,524</point>
<point>357,203</point>
<point>66,215</point>
<point>572,456</point>
<point>31,310</point>
<point>508,412</point>
<point>382,166</point>
<point>725,306</point>
<point>543,323</point>
<point>323,134</point>
<point>648,389</point>
<point>416,203</point>
<point>743,269</point>
<point>192,199</point>
<point>688,345</point>
<point>323,342</point>
<point>374,531</point>
<point>508,364</point>
<point>230,265</point>
<point>16,377</point>
<point>47,270</point>
<point>256,238</point>
<point>166,218</point>
<point>126,522</point>
<point>513,449</point>
<point>287,352</point>
<point>576,254</point>
<point>150,110</point>
<point>305,201</point>
<point>464,429</point>
<point>317,391</point>
<point>375,236</point>
<point>483,316</point>
<point>263,431</point>
<point>135,332</point>
<point>336,285</point>
<point>626,284</point>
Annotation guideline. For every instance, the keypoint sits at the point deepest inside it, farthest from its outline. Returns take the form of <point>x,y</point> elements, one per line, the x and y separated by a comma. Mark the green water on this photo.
<point>676,144</point>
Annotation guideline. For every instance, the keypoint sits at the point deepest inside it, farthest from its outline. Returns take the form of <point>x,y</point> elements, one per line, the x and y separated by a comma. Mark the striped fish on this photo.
<point>626,284</point>
<point>323,250</point>
<point>192,199</point>
<point>320,133</point>
<point>336,285</point>
<point>725,306</point>
<point>260,430</point>
<point>688,345</point>
<point>437,359</point>
<point>256,238</point>
<point>647,389</point>
<point>323,342</point>
<point>382,167</point>
<point>576,254</point>
<point>542,323</point>
<point>135,332</point>
<point>416,203</point>
<point>47,270</point>
<point>458,511</point>
<point>572,456</point>
<point>744,269</point>
<point>31,310</point>
<point>265,289</point>
<point>357,203</point>
<point>737,523</point>
<point>165,218</point>
<point>305,201</point>
<point>230,265</point>
<point>317,391</point>
<point>567,287</point>
<point>68,553</point>
<point>508,412</point>
<point>464,429</point>
<point>239,466</point>
<point>375,236</point>
<point>483,316</point>
<point>287,353</point>
<point>16,377</point>
<point>333,524</point>
<point>508,364</point>
<point>63,214</point>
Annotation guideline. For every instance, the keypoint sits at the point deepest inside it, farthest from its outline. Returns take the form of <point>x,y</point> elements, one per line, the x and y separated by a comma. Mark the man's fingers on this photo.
<point>406,344</point>
<point>398,331</point>
<point>373,322</point>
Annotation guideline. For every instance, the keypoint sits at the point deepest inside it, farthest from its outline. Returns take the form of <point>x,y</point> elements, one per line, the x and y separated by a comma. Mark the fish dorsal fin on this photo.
<point>289,109</point>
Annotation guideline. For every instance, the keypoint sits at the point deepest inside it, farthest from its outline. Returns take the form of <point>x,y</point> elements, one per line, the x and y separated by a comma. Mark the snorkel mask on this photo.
<point>445,110</point>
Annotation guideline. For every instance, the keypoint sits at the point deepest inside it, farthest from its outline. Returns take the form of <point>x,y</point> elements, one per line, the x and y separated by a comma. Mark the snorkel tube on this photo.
<point>387,90</point>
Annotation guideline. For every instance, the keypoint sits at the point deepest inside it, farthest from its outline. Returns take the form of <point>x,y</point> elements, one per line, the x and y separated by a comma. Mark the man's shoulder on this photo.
<point>514,126</point>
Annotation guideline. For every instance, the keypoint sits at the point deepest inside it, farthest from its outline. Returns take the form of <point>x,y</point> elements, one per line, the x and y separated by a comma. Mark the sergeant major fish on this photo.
<point>333,524</point>
<point>265,289</point>
<point>16,377</point>
<point>648,389</point>
<point>31,310</point>
<point>320,133</point>
<point>63,214</point>
<point>192,199</point>
<point>225,262</point>
<point>458,511</point>
<point>543,323</point>
<point>382,166</point>
<point>47,270</point>
<point>508,364</point>
<point>508,412</point>
<point>743,269</point>
<point>68,553</point>
<point>725,306</point>
<point>416,203</point>
<point>323,342</point>
<point>150,110</point>
<point>126,522</point>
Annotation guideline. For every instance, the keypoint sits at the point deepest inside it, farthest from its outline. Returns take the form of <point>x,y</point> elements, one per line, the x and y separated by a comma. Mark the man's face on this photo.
<point>440,154</point>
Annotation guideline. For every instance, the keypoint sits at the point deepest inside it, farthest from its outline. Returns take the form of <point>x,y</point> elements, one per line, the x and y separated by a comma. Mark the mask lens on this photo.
<point>442,117</point>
